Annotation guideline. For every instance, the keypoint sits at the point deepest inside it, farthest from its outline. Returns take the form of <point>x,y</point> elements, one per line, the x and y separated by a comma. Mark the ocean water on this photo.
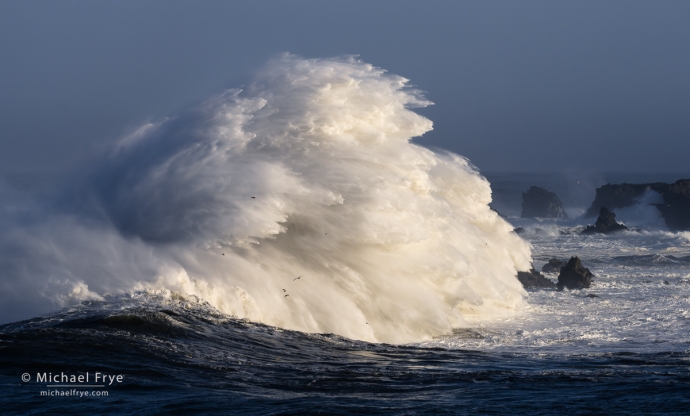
<point>626,351</point>
<point>286,249</point>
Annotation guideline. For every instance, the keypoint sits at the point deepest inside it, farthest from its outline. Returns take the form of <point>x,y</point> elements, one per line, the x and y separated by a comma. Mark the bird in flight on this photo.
<point>326,233</point>
<point>253,197</point>
<point>223,254</point>
<point>286,296</point>
<point>284,290</point>
<point>296,278</point>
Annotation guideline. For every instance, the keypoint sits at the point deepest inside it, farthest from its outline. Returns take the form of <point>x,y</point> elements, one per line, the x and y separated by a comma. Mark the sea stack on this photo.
<point>539,203</point>
<point>574,275</point>
<point>675,208</point>
<point>606,224</point>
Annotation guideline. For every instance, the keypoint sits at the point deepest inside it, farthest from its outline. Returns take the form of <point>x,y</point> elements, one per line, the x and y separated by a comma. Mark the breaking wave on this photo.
<point>309,172</point>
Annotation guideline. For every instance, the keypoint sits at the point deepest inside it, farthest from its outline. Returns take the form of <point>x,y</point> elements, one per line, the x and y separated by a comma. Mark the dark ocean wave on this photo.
<point>654,260</point>
<point>183,358</point>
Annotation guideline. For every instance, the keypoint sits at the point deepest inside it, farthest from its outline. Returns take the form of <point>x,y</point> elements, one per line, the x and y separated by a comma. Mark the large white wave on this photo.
<point>308,172</point>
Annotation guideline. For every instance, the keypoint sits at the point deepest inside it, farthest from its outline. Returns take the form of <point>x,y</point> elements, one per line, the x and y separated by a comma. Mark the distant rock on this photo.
<point>519,230</point>
<point>574,275</point>
<point>675,210</point>
<point>533,278</point>
<point>553,266</point>
<point>676,207</point>
<point>539,203</point>
<point>606,224</point>
<point>618,196</point>
<point>592,295</point>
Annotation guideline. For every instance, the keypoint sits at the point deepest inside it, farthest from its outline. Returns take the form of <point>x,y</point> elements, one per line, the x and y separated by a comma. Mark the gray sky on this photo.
<point>518,86</point>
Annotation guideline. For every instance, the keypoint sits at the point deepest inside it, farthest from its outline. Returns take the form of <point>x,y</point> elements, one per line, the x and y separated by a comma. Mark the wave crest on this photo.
<point>308,172</point>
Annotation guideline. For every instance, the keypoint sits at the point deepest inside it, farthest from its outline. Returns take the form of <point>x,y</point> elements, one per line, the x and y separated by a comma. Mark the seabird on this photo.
<point>296,278</point>
<point>253,197</point>
<point>286,296</point>
<point>284,290</point>
<point>326,233</point>
<point>223,254</point>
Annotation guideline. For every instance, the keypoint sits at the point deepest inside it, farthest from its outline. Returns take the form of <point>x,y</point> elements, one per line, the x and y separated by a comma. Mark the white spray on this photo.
<point>308,172</point>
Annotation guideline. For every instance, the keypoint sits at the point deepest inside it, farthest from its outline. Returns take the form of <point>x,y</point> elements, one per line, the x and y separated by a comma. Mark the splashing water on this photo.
<point>308,172</point>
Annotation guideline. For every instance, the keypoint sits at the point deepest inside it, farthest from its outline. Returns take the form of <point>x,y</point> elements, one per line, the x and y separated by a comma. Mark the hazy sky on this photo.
<point>518,86</point>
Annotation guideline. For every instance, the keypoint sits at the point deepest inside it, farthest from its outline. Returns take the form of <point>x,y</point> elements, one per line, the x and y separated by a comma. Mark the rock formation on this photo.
<point>533,278</point>
<point>539,203</point>
<point>675,210</point>
<point>553,266</point>
<point>574,275</point>
<point>676,207</point>
<point>606,224</point>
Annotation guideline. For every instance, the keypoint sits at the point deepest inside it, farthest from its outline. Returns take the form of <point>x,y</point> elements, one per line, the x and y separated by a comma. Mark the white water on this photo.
<point>642,284</point>
<point>392,241</point>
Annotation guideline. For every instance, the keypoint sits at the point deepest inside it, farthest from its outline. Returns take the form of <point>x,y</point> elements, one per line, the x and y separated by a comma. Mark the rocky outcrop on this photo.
<point>618,196</point>
<point>553,266</point>
<point>676,207</point>
<point>534,279</point>
<point>539,203</point>
<point>606,224</point>
<point>574,275</point>
<point>675,210</point>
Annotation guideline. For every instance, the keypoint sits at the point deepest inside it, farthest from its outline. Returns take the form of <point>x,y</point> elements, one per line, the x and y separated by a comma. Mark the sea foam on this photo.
<point>307,172</point>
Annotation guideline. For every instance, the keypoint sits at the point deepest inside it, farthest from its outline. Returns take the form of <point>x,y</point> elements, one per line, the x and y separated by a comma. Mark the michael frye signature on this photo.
<point>81,384</point>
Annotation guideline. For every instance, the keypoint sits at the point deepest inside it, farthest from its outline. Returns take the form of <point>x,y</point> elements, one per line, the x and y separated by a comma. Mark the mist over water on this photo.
<point>307,172</point>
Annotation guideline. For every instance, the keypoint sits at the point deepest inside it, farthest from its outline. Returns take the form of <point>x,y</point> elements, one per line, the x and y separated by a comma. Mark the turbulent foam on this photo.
<point>644,214</point>
<point>642,303</point>
<point>308,172</point>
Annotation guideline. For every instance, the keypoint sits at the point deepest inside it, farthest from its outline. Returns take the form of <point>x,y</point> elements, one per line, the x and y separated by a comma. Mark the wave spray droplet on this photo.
<point>308,172</point>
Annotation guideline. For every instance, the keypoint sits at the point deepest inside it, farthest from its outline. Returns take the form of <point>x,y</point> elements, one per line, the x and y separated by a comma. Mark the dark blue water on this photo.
<point>177,359</point>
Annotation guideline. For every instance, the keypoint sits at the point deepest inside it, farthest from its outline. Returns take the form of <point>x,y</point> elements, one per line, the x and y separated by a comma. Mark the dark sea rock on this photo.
<point>553,266</point>
<point>519,230</point>
<point>676,207</point>
<point>574,275</point>
<point>618,196</point>
<point>606,224</point>
<point>539,203</point>
<point>675,210</point>
<point>592,295</point>
<point>533,278</point>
